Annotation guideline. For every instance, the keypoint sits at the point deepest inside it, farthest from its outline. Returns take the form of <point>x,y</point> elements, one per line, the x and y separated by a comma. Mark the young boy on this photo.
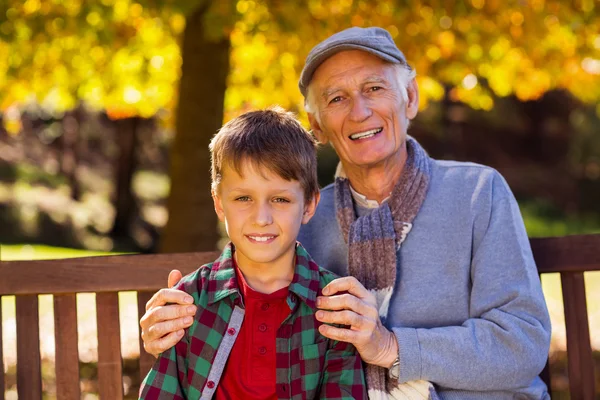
<point>255,335</point>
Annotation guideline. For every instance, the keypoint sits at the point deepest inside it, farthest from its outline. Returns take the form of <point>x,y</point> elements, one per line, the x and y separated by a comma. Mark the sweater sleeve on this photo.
<point>504,344</point>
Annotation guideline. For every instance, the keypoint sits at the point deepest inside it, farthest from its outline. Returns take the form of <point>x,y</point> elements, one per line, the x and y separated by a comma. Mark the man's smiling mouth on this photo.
<point>365,134</point>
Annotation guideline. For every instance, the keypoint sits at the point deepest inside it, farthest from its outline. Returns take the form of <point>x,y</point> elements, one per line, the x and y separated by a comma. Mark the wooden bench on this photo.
<point>106,276</point>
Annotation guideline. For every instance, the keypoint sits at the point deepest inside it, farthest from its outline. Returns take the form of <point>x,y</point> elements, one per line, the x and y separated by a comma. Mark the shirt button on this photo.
<point>265,306</point>
<point>210,384</point>
<point>262,327</point>
<point>231,331</point>
<point>262,350</point>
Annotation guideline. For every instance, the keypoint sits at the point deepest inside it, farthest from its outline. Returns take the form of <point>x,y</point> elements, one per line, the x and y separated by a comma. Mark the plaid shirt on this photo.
<point>309,365</point>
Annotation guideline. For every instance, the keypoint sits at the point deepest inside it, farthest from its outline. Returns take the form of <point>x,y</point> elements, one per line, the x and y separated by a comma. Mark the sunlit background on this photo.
<point>107,108</point>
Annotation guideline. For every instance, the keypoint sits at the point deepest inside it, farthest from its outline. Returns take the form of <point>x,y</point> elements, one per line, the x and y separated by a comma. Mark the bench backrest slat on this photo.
<point>577,253</point>
<point>66,349</point>
<point>29,376</point>
<point>110,367</point>
<point>146,272</point>
<point>579,349</point>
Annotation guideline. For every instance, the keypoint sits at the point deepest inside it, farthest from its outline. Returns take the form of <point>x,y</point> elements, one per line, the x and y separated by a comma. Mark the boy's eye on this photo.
<point>242,198</point>
<point>281,200</point>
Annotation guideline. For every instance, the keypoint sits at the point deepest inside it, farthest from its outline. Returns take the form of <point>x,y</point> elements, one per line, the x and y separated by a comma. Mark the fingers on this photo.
<point>152,332</point>
<point>174,277</point>
<point>348,302</point>
<point>349,318</point>
<point>347,284</point>
<point>160,345</point>
<point>343,335</point>
<point>163,314</point>
<point>164,296</point>
<point>163,326</point>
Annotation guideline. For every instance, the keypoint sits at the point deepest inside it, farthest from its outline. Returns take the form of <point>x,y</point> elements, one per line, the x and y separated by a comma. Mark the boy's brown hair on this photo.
<point>272,139</point>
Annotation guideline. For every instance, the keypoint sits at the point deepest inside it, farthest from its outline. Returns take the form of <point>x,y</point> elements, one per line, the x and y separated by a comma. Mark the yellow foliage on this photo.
<point>124,55</point>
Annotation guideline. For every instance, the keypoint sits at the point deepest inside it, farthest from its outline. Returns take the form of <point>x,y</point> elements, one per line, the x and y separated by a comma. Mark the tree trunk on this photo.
<point>124,200</point>
<point>69,158</point>
<point>192,224</point>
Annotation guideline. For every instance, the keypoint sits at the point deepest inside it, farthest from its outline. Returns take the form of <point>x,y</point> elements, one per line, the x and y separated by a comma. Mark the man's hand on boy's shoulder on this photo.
<point>168,313</point>
<point>356,308</point>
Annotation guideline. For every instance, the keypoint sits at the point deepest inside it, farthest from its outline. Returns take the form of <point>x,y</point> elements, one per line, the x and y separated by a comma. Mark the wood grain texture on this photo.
<point>146,360</point>
<point>110,366</point>
<point>29,373</point>
<point>67,353</point>
<point>575,253</point>
<point>579,349</point>
<point>146,272</point>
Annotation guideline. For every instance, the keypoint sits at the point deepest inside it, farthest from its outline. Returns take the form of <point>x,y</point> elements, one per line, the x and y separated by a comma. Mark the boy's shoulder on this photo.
<point>196,283</point>
<point>325,276</point>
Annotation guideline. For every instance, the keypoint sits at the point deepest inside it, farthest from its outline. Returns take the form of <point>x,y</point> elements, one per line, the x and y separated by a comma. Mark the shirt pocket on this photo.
<point>312,357</point>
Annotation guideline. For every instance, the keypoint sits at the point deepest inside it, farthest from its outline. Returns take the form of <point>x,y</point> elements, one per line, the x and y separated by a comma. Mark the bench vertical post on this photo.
<point>110,365</point>
<point>579,350</point>
<point>146,360</point>
<point>29,371</point>
<point>2,389</point>
<point>67,353</point>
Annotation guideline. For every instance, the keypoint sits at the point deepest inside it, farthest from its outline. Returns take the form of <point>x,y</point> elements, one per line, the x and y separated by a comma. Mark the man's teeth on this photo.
<point>366,134</point>
<point>261,238</point>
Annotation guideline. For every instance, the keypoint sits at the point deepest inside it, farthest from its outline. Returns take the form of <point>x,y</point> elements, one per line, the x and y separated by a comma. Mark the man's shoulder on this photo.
<point>465,167</point>
<point>464,175</point>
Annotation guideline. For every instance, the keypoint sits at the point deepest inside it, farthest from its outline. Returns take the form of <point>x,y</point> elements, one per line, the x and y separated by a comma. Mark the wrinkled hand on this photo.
<point>358,309</point>
<point>163,323</point>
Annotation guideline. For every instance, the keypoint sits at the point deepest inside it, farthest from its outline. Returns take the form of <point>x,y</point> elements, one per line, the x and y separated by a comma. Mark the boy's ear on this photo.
<point>218,206</point>
<point>316,128</point>
<point>310,208</point>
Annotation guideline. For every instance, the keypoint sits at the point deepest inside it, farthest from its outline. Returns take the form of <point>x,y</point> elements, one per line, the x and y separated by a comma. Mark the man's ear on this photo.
<point>412,106</point>
<point>316,128</point>
<point>310,208</point>
<point>218,206</point>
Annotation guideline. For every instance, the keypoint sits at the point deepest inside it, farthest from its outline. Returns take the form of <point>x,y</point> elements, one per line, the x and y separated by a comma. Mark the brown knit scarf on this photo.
<point>373,241</point>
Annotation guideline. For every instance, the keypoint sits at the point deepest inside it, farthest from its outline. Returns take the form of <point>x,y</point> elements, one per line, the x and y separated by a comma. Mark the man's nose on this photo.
<point>263,214</point>
<point>361,109</point>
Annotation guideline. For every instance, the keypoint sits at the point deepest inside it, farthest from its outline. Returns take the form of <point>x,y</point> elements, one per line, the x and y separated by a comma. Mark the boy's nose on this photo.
<point>263,215</point>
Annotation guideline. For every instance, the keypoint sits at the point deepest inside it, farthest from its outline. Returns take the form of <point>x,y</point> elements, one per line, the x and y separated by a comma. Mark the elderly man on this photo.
<point>441,296</point>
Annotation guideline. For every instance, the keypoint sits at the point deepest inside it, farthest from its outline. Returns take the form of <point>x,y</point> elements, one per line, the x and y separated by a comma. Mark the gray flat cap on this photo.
<point>373,40</point>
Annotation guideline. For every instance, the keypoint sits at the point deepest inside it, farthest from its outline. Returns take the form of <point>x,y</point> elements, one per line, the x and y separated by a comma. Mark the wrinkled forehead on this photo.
<point>352,67</point>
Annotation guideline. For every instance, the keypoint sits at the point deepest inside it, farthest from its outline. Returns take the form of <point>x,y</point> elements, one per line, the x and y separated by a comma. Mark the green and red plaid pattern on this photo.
<point>309,366</point>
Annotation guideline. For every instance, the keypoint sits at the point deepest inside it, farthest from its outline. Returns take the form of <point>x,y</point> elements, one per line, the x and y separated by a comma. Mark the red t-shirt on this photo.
<point>250,369</point>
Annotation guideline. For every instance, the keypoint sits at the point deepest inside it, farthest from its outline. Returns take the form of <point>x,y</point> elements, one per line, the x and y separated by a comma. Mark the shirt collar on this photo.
<point>362,201</point>
<point>223,281</point>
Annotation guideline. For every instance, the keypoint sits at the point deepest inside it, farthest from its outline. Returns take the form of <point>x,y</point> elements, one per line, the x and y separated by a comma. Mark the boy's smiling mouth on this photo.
<point>261,238</point>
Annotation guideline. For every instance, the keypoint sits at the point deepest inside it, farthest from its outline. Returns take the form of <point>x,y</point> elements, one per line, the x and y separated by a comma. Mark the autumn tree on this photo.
<point>206,61</point>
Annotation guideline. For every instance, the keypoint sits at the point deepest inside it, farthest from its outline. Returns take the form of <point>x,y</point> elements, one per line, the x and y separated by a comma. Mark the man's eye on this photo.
<point>375,88</point>
<point>335,99</point>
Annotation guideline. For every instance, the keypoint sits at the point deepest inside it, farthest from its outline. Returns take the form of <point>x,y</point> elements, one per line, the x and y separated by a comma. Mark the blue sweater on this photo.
<point>467,309</point>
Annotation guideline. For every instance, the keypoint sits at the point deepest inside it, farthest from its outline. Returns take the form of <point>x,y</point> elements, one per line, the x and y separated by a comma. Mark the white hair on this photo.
<point>404,75</point>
